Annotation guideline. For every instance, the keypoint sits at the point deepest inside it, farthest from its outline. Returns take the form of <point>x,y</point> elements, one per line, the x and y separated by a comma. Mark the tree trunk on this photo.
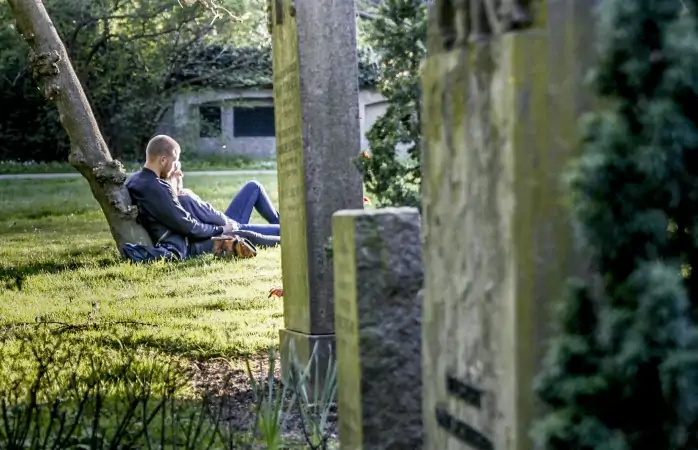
<point>89,154</point>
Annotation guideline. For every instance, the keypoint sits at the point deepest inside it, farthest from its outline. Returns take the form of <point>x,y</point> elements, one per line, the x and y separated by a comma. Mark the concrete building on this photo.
<point>240,121</point>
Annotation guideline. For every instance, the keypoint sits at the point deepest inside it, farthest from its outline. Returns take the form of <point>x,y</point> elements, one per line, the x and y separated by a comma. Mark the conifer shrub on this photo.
<point>622,371</point>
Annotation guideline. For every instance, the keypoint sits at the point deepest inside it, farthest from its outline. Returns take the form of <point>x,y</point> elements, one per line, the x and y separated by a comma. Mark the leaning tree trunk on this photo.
<point>89,154</point>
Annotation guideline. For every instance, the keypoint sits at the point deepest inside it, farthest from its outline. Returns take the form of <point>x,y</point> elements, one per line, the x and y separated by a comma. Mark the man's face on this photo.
<point>167,165</point>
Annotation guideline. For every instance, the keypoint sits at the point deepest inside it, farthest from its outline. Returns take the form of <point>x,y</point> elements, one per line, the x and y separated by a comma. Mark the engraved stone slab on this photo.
<point>317,134</point>
<point>500,121</point>
<point>378,279</point>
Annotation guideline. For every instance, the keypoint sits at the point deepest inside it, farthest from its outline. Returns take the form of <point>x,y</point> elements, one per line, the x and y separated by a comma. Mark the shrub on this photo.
<point>398,36</point>
<point>623,372</point>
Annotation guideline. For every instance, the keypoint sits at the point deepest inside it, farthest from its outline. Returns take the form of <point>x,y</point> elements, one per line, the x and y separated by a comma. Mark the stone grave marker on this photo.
<point>317,136</point>
<point>378,307</point>
<point>500,117</point>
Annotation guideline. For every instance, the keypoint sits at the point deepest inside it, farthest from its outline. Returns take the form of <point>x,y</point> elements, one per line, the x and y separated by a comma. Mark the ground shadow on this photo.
<point>168,346</point>
<point>92,257</point>
<point>12,277</point>
<point>191,310</point>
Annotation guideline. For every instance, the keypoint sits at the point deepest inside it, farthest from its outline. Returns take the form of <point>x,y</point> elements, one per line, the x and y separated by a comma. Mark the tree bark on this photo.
<point>89,154</point>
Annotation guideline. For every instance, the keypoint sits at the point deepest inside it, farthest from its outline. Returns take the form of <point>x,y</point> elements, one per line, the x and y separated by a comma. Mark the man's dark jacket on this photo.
<point>167,223</point>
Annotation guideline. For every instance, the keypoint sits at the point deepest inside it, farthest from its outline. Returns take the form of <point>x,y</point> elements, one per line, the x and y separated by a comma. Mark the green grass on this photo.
<point>192,163</point>
<point>58,263</point>
<point>102,342</point>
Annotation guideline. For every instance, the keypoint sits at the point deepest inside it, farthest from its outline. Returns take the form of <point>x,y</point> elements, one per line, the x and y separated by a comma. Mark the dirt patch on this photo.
<point>230,387</point>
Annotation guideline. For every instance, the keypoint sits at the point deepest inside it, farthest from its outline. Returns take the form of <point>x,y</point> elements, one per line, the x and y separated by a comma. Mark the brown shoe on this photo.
<point>233,247</point>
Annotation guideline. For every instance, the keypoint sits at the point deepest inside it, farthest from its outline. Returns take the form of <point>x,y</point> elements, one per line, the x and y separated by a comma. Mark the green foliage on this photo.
<point>225,67</point>
<point>249,23</point>
<point>315,405</point>
<point>623,372</point>
<point>124,54</point>
<point>60,394</point>
<point>26,122</point>
<point>274,406</point>
<point>131,58</point>
<point>398,36</point>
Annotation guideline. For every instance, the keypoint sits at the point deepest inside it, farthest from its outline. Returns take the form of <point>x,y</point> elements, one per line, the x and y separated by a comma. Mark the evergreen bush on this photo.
<point>398,36</point>
<point>623,371</point>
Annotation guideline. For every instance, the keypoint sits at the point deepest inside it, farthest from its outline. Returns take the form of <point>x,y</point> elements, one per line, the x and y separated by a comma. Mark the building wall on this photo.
<point>372,106</point>
<point>183,121</point>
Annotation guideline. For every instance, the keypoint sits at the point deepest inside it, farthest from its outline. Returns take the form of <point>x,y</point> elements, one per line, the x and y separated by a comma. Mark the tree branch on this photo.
<point>89,153</point>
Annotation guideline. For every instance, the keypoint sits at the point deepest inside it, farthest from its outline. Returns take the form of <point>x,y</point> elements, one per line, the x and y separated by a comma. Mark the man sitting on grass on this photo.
<point>169,225</point>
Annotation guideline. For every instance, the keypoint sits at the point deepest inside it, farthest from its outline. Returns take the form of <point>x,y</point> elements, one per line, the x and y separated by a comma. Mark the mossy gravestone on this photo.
<point>317,136</point>
<point>378,309</point>
<point>501,104</point>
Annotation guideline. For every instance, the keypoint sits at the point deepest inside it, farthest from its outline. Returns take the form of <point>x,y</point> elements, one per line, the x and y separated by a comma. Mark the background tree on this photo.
<point>89,154</point>
<point>623,372</point>
<point>397,35</point>
<point>124,54</point>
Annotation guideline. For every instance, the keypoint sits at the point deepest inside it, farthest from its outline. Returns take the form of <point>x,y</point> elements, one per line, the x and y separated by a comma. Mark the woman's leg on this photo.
<point>262,240</point>
<point>252,196</point>
<point>265,229</point>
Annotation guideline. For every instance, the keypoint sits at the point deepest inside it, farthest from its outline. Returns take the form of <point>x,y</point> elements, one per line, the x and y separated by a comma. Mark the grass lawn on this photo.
<point>58,263</point>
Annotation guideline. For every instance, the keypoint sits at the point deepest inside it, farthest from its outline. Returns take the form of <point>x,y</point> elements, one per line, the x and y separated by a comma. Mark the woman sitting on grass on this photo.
<point>252,196</point>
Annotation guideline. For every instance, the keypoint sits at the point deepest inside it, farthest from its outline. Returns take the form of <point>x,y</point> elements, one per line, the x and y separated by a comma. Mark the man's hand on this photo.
<point>229,227</point>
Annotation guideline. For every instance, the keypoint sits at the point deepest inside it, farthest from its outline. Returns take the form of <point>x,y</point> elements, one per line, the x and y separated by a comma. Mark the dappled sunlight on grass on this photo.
<point>58,263</point>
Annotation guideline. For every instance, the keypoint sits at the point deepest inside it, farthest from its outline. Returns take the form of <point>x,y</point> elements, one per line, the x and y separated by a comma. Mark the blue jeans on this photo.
<point>253,196</point>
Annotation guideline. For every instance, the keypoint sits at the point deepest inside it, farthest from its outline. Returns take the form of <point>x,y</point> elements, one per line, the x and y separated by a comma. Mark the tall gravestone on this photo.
<point>378,308</point>
<point>316,109</point>
<point>502,100</point>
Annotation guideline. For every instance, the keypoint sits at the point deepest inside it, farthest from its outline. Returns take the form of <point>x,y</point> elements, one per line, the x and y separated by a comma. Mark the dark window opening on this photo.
<point>210,121</point>
<point>254,122</point>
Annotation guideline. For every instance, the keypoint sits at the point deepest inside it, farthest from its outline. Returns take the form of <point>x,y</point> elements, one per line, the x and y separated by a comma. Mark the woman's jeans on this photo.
<point>253,196</point>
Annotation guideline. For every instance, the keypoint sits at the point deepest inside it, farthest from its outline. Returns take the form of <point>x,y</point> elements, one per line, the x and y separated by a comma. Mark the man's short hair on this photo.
<point>161,145</point>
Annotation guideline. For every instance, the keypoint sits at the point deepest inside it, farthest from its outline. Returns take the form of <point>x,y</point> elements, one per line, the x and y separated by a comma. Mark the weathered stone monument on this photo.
<point>317,136</point>
<point>502,97</point>
<point>378,307</point>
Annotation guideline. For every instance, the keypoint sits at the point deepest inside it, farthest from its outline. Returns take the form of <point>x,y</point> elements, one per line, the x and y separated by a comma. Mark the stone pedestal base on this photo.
<point>303,345</point>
